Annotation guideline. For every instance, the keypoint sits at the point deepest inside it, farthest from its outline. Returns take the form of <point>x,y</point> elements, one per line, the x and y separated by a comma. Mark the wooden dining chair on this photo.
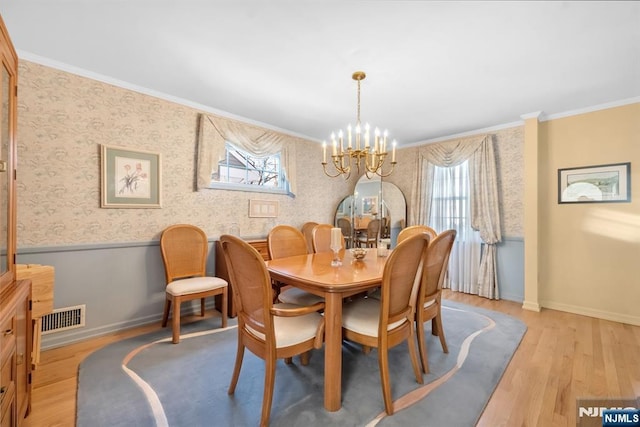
<point>184,251</point>
<point>307,231</point>
<point>416,229</point>
<point>345,225</point>
<point>386,322</point>
<point>429,305</point>
<point>370,239</point>
<point>270,331</point>
<point>321,238</point>
<point>285,241</point>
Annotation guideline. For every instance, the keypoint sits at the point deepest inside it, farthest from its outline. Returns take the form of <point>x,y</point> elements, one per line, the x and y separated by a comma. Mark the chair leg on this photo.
<point>438,323</point>
<point>305,357</point>
<point>269,380</point>
<point>201,307</point>
<point>414,358</point>
<point>175,320</point>
<point>288,360</point>
<point>422,345</point>
<point>167,307</point>
<point>225,304</point>
<point>383,365</point>
<point>238,365</point>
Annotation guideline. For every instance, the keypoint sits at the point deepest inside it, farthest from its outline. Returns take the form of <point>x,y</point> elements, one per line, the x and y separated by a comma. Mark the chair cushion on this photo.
<point>292,330</point>
<point>363,316</point>
<point>193,285</point>
<point>429,303</point>
<point>299,297</point>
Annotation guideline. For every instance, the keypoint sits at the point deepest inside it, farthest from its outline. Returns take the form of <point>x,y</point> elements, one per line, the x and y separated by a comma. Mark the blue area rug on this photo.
<point>147,381</point>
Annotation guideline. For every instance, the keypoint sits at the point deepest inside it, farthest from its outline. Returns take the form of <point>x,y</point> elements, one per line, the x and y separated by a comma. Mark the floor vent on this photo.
<point>62,319</point>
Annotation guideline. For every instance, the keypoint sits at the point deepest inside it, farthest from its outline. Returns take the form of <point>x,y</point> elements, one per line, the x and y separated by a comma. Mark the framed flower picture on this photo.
<point>130,178</point>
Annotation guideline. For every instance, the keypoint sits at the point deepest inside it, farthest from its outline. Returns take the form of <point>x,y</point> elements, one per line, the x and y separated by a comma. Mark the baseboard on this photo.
<point>532,306</point>
<point>598,314</point>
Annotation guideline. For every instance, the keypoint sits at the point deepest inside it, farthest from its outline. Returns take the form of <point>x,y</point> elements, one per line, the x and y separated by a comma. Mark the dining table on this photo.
<point>315,274</point>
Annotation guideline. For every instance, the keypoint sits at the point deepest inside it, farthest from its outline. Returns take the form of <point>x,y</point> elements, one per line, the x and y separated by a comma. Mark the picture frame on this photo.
<point>610,183</point>
<point>130,178</point>
<point>263,208</point>
<point>370,205</point>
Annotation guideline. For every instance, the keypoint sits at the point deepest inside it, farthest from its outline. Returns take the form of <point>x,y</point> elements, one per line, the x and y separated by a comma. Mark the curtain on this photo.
<point>450,209</point>
<point>484,207</point>
<point>215,131</point>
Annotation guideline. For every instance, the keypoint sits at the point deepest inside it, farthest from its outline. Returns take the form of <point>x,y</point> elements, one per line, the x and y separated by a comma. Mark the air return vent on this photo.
<point>62,319</point>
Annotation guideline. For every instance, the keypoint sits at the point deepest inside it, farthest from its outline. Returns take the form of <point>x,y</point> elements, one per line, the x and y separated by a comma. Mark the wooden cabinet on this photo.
<point>15,295</point>
<point>222,272</point>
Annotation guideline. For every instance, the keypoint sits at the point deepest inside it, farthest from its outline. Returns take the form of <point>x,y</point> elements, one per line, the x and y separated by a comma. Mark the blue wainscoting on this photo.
<point>511,268</point>
<point>122,285</point>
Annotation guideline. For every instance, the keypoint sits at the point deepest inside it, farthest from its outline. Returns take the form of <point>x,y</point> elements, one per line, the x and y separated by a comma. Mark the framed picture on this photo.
<point>263,208</point>
<point>595,184</point>
<point>130,178</point>
<point>370,205</point>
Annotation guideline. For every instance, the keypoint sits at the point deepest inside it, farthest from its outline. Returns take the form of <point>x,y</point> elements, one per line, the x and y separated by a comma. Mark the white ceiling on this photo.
<point>434,69</point>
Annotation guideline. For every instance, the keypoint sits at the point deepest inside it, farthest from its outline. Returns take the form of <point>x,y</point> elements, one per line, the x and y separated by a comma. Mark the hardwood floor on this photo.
<point>562,357</point>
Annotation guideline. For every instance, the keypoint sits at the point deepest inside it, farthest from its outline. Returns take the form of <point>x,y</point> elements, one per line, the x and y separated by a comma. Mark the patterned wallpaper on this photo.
<point>63,119</point>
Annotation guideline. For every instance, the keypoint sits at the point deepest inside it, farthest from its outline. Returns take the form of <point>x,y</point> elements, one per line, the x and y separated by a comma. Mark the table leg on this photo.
<point>333,352</point>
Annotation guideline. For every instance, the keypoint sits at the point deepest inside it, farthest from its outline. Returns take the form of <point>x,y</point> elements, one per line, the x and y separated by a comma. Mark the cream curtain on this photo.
<point>485,216</point>
<point>260,142</point>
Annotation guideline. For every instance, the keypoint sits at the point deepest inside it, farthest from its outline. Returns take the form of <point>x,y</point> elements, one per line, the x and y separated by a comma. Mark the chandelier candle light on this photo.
<point>374,155</point>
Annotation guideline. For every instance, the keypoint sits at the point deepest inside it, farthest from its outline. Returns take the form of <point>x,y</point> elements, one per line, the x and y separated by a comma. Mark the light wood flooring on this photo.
<point>562,357</point>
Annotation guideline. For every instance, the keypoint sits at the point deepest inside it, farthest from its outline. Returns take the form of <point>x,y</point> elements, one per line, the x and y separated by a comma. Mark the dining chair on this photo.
<point>270,331</point>
<point>370,239</point>
<point>285,241</point>
<point>184,251</point>
<point>384,323</point>
<point>345,225</point>
<point>321,238</point>
<point>429,305</point>
<point>307,231</point>
<point>416,229</point>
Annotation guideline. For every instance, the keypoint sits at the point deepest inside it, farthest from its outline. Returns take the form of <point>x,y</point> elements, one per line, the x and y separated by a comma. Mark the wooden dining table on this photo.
<point>314,273</point>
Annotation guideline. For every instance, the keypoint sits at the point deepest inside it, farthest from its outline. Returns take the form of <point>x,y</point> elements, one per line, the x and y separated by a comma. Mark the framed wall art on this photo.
<point>595,184</point>
<point>130,178</point>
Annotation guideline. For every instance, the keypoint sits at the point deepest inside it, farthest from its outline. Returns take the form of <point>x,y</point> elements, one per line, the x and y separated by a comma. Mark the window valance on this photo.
<point>214,131</point>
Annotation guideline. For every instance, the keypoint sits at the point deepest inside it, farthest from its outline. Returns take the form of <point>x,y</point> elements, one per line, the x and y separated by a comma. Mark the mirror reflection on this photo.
<point>376,210</point>
<point>4,159</point>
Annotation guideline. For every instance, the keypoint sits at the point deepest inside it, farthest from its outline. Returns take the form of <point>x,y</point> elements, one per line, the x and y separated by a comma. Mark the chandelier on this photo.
<point>373,154</point>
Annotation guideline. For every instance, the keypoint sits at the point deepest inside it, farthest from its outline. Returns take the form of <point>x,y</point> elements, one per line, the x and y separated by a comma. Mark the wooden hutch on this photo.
<point>15,295</point>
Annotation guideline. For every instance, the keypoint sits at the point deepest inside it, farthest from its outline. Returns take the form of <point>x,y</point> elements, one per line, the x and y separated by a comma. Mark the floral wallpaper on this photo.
<point>63,119</point>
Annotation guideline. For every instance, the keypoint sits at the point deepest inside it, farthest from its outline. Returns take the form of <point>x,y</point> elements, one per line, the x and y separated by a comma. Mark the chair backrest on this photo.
<point>250,283</point>
<point>436,265</point>
<point>321,238</point>
<point>399,284</point>
<point>184,249</point>
<point>284,241</point>
<point>416,229</point>
<point>373,228</point>
<point>307,231</point>
<point>345,226</point>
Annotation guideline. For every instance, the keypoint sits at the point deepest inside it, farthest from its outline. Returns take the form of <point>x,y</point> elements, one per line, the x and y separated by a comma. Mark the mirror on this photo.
<point>374,198</point>
<point>4,160</point>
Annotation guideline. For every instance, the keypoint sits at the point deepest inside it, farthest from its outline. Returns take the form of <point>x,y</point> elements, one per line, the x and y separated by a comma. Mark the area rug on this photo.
<point>147,381</point>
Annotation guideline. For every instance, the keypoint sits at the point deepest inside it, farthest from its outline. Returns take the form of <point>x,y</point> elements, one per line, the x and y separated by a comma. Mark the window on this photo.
<point>451,209</point>
<point>241,170</point>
